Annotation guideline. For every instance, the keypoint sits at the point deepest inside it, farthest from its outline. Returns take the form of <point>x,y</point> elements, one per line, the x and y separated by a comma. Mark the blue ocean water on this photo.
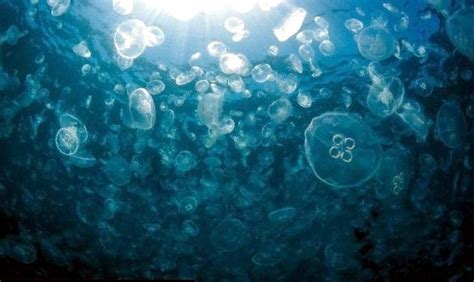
<point>295,140</point>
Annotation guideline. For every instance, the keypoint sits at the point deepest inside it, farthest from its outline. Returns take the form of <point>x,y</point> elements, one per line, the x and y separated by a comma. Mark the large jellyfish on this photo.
<point>131,38</point>
<point>460,27</point>
<point>376,43</point>
<point>385,98</point>
<point>451,125</point>
<point>142,109</point>
<point>341,149</point>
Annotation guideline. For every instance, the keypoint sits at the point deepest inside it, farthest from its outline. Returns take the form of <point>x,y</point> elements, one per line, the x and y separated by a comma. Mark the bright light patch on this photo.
<point>186,9</point>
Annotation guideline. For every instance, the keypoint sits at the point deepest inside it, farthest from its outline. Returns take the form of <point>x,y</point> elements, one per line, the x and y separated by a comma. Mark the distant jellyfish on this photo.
<point>184,161</point>
<point>282,215</point>
<point>229,235</point>
<point>154,36</point>
<point>22,251</point>
<point>131,39</point>
<point>262,73</point>
<point>341,149</point>
<point>384,99</point>
<point>117,169</point>
<point>67,141</point>
<point>70,121</point>
<point>451,125</point>
<point>280,110</point>
<point>123,7</point>
<point>376,43</point>
<point>460,27</point>
<point>209,109</point>
<point>393,173</point>
<point>142,109</point>
<point>234,64</point>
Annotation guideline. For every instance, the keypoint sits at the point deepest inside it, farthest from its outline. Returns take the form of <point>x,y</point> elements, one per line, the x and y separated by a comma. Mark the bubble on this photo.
<point>460,27</point>
<point>131,39</point>
<point>376,43</point>
<point>184,161</point>
<point>117,170</point>
<point>341,150</point>
<point>280,110</point>
<point>385,99</point>
<point>451,124</point>
<point>262,73</point>
<point>142,109</point>
<point>67,141</point>
<point>229,235</point>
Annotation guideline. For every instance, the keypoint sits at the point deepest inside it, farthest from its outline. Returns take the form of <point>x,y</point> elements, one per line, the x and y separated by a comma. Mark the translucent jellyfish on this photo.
<point>82,50</point>
<point>131,39</point>
<point>67,141</point>
<point>156,86</point>
<point>280,110</point>
<point>59,7</point>
<point>327,48</point>
<point>262,73</point>
<point>22,251</point>
<point>209,109</point>
<point>216,49</point>
<point>154,36</point>
<point>234,25</point>
<point>341,149</point>
<point>282,215</point>
<point>290,25</point>
<point>354,25</point>
<point>142,109</point>
<point>187,205</point>
<point>304,99</point>
<point>376,43</point>
<point>234,64</point>
<point>451,125</point>
<point>411,113</point>
<point>229,235</point>
<point>190,228</point>
<point>185,78</point>
<point>460,27</point>
<point>117,170</point>
<point>296,63</point>
<point>123,7</point>
<point>184,161</point>
<point>68,120</point>
<point>384,99</point>
<point>393,173</point>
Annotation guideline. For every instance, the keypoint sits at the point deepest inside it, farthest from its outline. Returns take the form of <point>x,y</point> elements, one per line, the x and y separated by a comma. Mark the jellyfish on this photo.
<point>341,149</point>
<point>384,99</point>
<point>280,110</point>
<point>209,109</point>
<point>282,215</point>
<point>184,161</point>
<point>460,27</point>
<point>393,173</point>
<point>376,43</point>
<point>67,141</point>
<point>70,121</point>
<point>229,235</point>
<point>142,109</point>
<point>451,125</point>
<point>131,39</point>
<point>117,169</point>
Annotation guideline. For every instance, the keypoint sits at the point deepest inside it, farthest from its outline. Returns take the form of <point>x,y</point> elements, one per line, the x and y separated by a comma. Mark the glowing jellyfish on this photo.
<point>341,149</point>
<point>209,109</point>
<point>385,98</point>
<point>131,39</point>
<point>451,125</point>
<point>460,27</point>
<point>376,43</point>
<point>234,64</point>
<point>154,36</point>
<point>393,173</point>
<point>142,109</point>
<point>229,235</point>
<point>67,141</point>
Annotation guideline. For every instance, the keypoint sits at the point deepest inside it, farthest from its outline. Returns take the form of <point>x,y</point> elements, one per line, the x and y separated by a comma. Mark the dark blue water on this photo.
<point>346,155</point>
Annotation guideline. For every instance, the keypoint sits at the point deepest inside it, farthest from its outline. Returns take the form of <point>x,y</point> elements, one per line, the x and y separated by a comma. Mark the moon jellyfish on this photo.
<point>70,121</point>
<point>451,125</point>
<point>154,36</point>
<point>376,43</point>
<point>280,110</point>
<point>290,25</point>
<point>67,141</point>
<point>384,99</point>
<point>393,173</point>
<point>460,27</point>
<point>262,73</point>
<point>234,64</point>
<point>282,215</point>
<point>131,39</point>
<point>117,170</point>
<point>341,149</point>
<point>184,161</point>
<point>123,7</point>
<point>229,235</point>
<point>209,109</point>
<point>142,109</point>
<point>59,7</point>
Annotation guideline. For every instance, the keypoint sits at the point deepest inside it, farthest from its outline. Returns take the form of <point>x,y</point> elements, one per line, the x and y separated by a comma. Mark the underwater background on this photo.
<point>237,140</point>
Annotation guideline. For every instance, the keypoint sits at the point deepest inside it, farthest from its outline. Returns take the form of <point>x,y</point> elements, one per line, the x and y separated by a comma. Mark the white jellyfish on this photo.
<point>280,110</point>
<point>385,98</point>
<point>460,27</point>
<point>67,141</point>
<point>376,43</point>
<point>341,149</point>
<point>131,38</point>
<point>142,109</point>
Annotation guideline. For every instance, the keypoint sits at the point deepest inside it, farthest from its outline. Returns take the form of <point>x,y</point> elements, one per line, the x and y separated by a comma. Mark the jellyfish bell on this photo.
<point>376,43</point>
<point>393,174</point>
<point>460,27</point>
<point>67,141</point>
<point>341,149</point>
<point>385,98</point>
<point>142,109</point>
<point>451,124</point>
<point>130,38</point>
<point>70,121</point>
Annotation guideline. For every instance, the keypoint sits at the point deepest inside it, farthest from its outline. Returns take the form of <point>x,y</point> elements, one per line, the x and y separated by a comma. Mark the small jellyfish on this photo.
<point>282,215</point>
<point>234,25</point>
<point>385,99</point>
<point>376,43</point>
<point>131,39</point>
<point>209,109</point>
<point>187,205</point>
<point>154,36</point>
<point>70,121</point>
<point>290,25</point>
<point>190,228</point>
<point>262,73</point>
<point>460,27</point>
<point>117,169</point>
<point>393,173</point>
<point>327,48</point>
<point>234,64</point>
<point>280,110</point>
<point>451,125</point>
<point>216,49</point>
<point>123,7</point>
<point>184,161</point>
<point>67,141</point>
<point>142,109</point>
<point>229,235</point>
<point>341,149</point>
